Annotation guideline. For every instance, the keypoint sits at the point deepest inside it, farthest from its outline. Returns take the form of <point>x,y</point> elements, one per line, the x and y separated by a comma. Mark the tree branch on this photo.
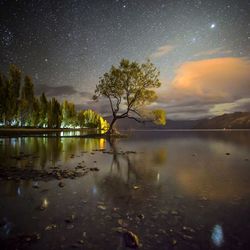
<point>134,118</point>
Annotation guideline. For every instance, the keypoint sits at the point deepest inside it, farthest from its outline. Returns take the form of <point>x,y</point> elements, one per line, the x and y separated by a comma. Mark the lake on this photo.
<point>173,189</point>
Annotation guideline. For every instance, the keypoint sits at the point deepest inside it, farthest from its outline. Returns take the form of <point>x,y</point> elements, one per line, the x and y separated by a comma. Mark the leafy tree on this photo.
<point>35,116</point>
<point>69,114</point>
<point>129,88</point>
<point>54,114</point>
<point>9,107</point>
<point>11,91</point>
<point>159,116</point>
<point>103,124</point>
<point>91,119</point>
<point>26,102</point>
<point>2,98</point>
<point>81,119</point>
<point>14,90</point>
<point>43,111</point>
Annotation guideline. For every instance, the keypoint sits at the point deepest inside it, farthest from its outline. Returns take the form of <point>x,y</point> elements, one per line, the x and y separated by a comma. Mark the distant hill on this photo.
<point>238,120</point>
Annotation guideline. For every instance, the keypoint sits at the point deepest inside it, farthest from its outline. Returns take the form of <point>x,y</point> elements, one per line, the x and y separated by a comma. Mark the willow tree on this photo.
<point>129,88</point>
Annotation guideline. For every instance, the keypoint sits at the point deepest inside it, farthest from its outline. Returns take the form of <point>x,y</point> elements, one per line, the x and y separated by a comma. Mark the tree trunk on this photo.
<point>110,130</point>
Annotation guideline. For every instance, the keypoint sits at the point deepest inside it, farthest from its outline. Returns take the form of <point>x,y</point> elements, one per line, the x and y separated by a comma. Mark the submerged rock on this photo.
<point>119,230</point>
<point>44,205</point>
<point>131,240</point>
<point>102,207</point>
<point>188,229</point>
<point>61,184</point>
<point>140,216</point>
<point>174,242</point>
<point>135,187</point>
<point>94,169</point>
<point>30,237</point>
<point>50,227</point>
<point>35,185</point>
<point>70,219</point>
<point>174,212</point>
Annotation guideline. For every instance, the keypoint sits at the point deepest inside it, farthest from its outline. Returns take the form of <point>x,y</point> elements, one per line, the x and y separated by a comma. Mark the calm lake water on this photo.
<point>174,190</point>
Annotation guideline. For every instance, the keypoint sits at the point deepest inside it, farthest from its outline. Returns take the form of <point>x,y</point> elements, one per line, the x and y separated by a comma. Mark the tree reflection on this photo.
<point>130,169</point>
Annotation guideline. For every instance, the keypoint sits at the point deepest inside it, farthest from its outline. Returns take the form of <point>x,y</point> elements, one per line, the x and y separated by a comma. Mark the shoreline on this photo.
<point>39,131</point>
<point>92,133</point>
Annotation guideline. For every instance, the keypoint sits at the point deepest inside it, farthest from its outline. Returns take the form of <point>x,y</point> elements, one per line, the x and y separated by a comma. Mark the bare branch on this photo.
<point>136,119</point>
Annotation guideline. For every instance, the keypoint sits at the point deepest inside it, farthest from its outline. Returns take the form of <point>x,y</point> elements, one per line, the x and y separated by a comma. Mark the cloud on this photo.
<point>51,91</point>
<point>86,94</point>
<point>213,52</point>
<point>163,50</point>
<point>202,87</point>
<point>101,106</point>
<point>64,92</point>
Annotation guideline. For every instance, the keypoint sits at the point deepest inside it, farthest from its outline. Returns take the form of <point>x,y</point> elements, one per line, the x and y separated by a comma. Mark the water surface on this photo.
<point>174,190</point>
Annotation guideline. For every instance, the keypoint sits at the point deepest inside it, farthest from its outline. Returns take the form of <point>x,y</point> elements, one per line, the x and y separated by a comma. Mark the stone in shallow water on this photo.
<point>61,184</point>
<point>131,240</point>
<point>94,169</point>
<point>50,227</point>
<point>70,219</point>
<point>44,205</point>
<point>29,237</point>
<point>140,216</point>
<point>35,185</point>
<point>188,229</point>
<point>135,187</point>
<point>174,212</point>
<point>102,207</point>
<point>119,230</point>
<point>174,242</point>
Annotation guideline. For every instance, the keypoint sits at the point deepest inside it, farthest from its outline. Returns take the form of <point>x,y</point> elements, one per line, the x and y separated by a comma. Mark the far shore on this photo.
<point>32,131</point>
<point>90,132</point>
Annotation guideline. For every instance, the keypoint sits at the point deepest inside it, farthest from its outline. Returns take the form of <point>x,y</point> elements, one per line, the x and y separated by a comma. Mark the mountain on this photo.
<point>237,120</point>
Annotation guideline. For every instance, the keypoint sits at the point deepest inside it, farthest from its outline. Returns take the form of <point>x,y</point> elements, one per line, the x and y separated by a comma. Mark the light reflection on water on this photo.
<point>217,235</point>
<point>181,180</point>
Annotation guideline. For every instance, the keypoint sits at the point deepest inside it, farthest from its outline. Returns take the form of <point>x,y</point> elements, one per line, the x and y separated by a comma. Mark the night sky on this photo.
<point>201,47</point>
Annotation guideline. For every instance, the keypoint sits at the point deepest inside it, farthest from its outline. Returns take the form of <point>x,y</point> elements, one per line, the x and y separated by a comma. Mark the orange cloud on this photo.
<point>208,82</point>
<point>163,50</point>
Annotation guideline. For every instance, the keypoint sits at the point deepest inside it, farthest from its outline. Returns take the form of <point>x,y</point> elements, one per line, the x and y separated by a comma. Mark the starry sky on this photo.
<point>201,47</point>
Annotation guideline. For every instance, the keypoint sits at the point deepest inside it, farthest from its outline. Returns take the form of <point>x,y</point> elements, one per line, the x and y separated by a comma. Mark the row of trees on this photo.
<point>21,108</point>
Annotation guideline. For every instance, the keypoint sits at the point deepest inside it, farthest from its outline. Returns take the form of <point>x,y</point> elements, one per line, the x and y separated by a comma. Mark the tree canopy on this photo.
<point>129,88</point>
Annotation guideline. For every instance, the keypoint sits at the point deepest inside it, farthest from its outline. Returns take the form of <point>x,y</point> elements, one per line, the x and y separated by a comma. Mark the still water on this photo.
<point>174,190</point>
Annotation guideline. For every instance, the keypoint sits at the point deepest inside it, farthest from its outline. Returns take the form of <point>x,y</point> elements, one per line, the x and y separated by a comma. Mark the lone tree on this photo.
<point>129,88</point>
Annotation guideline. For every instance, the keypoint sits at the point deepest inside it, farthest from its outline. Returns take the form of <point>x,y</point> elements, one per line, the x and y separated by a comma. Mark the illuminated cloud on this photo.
<point>208,87</point>
<point>163,50</point>
<point>212,52</point>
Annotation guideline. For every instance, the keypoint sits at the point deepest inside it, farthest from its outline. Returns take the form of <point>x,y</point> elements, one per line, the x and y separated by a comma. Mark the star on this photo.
<point>212,26</point>
<point>46,59</point>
